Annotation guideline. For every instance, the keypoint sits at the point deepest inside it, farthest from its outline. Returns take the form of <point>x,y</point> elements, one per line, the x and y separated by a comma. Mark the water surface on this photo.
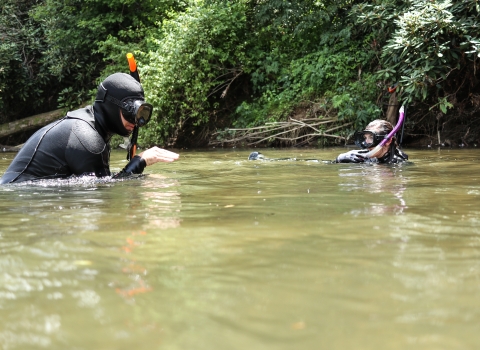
<point>218,252</point>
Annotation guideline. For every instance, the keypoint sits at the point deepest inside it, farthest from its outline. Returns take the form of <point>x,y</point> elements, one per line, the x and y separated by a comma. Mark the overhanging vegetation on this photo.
<point>211,66</point>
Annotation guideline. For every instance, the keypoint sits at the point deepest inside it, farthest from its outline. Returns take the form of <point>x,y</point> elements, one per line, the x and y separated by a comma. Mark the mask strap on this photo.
<point>103,95</point>
<point>119,103</point>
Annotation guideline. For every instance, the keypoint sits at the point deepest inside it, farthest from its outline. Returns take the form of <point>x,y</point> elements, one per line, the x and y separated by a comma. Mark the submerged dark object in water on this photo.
<point>255,156</point>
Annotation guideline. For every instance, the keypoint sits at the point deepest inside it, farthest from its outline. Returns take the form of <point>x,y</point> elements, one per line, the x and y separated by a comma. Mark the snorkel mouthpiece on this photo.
<point>392,133</point>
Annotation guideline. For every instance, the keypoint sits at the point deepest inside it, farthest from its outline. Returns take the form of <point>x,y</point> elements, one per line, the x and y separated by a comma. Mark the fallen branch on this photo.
<point>35,122</point>
<point>288,132</point>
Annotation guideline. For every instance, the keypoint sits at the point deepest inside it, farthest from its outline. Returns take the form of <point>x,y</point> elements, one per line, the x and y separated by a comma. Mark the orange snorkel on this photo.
<point>133,66</point>
<point>132,148</point>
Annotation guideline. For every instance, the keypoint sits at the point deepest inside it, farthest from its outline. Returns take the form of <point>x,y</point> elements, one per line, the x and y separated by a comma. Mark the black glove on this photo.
<point>350,157</point>
<point>136,165</point>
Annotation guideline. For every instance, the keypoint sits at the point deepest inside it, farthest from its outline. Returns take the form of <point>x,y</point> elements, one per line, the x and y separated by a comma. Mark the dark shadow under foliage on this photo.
<point>461,125</point>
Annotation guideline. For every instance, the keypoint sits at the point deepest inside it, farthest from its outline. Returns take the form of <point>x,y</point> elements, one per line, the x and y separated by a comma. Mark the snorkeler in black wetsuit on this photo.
<point>78,144</point>
<point>374,133</point>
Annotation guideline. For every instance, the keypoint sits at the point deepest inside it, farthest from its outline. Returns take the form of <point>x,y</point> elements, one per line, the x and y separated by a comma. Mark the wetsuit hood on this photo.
<point>121,87</point>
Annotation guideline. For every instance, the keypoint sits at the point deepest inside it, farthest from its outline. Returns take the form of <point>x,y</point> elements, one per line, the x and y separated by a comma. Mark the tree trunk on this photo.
<point>392,110</point>
<point>36,121</point>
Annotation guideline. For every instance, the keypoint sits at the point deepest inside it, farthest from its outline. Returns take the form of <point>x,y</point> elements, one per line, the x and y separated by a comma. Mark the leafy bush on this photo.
<point>333,71</point>
<point>429,41</point>
<point>200,60</point>
<point>86,37</point>
<point>22,79</point>
<point>54,52</point>
<point>190,66</point>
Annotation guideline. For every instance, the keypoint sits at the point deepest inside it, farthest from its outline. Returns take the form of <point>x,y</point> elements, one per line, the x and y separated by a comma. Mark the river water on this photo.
<point>218,252</point>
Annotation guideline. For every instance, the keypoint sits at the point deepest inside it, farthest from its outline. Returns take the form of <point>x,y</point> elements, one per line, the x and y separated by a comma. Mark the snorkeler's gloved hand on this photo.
<point>350,157</point>
<point>134,166</point>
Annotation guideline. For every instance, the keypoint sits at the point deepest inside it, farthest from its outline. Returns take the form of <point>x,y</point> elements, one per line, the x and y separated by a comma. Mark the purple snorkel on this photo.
<point>389,136</point>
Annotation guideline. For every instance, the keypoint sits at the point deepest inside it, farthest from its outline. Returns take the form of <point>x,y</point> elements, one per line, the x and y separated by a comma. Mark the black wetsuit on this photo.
<point>79,143</point>
<point>397,156</point>
<point>75,145</point>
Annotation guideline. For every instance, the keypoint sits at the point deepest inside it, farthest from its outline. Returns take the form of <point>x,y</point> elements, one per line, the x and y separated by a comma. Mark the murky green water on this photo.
<point>217,252</point>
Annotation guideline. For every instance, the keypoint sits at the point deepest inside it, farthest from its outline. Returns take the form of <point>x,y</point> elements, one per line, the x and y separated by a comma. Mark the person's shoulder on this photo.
<point>85,132</point>
<point>85,114</point>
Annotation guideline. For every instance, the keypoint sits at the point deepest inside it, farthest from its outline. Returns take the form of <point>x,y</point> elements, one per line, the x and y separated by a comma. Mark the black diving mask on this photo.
<point>367,139</point>
<point>137,112</point>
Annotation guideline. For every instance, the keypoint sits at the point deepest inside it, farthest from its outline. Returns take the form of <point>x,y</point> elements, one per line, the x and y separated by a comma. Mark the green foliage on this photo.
<point>242,62</point>
<point>187,69</point>
<point>293,27</point>
<point>84,36</point>
<point>283,31</point>
<point>333,71</point>
<point>355,102</point>
<point>443,105</point>
<point>56,50</point>
<point>429,41</point>
<point>21,79</point>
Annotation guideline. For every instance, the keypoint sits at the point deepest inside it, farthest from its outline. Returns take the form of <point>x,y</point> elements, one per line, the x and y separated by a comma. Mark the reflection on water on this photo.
<point>67,247</point>
<point>218,252</point>
<point>378,182</point>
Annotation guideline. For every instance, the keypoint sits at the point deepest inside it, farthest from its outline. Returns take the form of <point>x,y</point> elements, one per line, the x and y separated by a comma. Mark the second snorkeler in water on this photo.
<point>367,140</point>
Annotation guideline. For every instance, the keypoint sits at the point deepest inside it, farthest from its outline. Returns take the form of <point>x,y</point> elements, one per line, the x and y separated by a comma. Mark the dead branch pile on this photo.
<point>293,132</point>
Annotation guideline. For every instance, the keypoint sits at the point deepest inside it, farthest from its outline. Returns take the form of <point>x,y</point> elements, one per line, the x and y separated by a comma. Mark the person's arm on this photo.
<point>154,155</point>
<point>83,163</point>
<point>151,156</point>
<point>350,157</point>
